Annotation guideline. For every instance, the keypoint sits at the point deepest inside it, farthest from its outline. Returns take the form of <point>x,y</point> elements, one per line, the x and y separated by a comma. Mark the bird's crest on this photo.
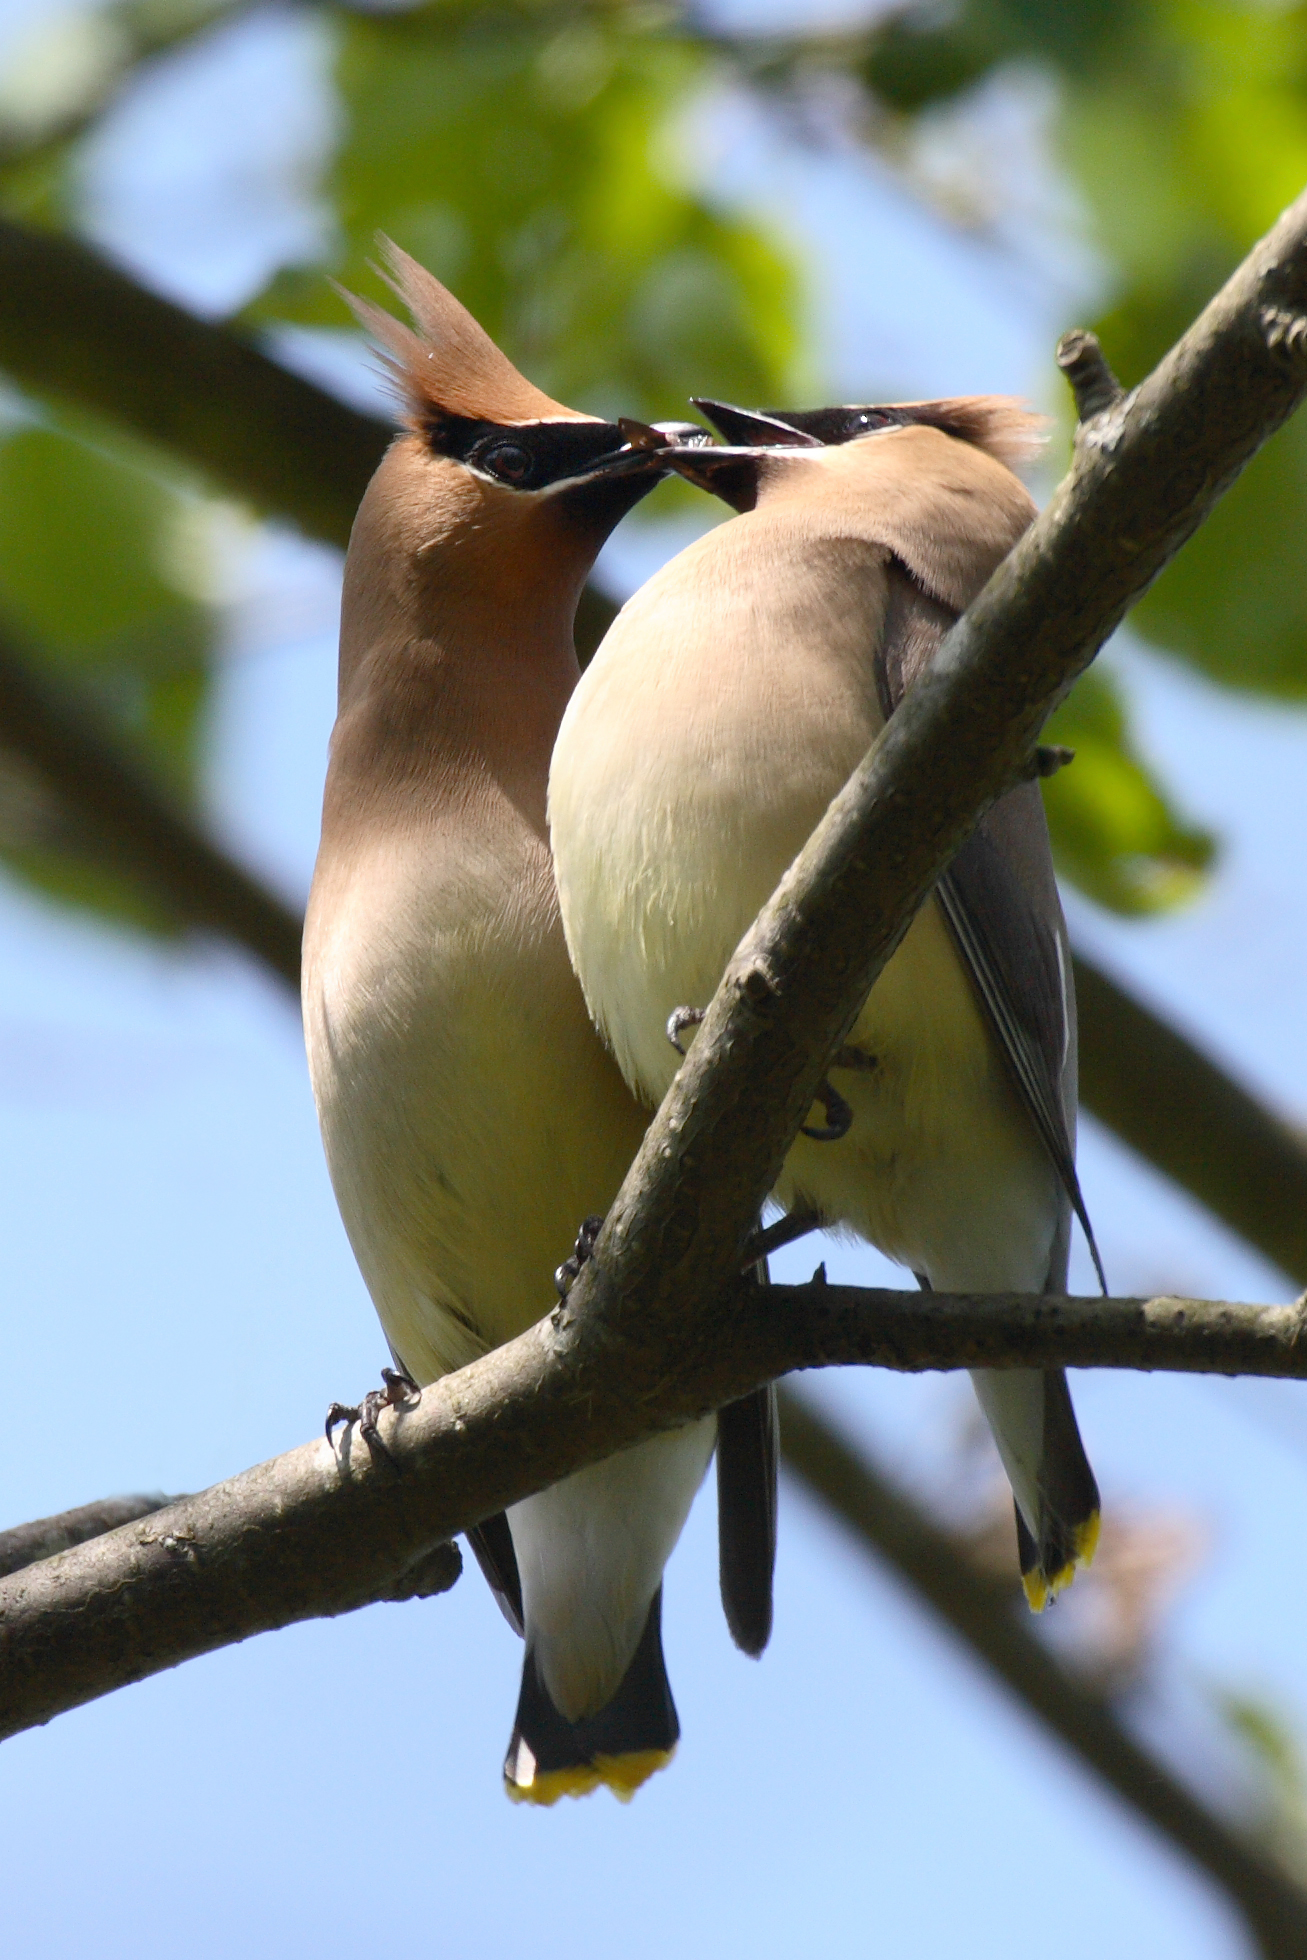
<point>1003,426</point>
<point>450,366</point>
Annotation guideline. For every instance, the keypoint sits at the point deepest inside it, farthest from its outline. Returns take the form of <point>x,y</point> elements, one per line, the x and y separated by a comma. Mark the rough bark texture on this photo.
<point>321,1531</point>
<point>25,1544</point>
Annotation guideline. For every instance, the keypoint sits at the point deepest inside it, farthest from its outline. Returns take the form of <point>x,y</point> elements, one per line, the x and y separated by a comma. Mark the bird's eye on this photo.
<point>872,419</point>
<point>507,461</point>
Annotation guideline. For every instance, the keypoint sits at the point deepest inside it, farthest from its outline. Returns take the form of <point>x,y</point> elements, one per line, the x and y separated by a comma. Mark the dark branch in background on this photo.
<point>137,831</point>
<point>979,1608</point>
<point>71,323</point>
<point>25,1544</point>
<point>476,1440</point>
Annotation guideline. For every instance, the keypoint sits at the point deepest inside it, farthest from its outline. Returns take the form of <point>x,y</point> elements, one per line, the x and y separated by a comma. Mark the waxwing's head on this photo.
<point>486,450</point>
<point>997,425</point>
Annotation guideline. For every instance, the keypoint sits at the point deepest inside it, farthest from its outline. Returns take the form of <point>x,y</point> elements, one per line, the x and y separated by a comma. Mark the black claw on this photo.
<point>565,1277</point>
<point>679,1020</point>
<point>839,1117</point>
<point>399,1386</point>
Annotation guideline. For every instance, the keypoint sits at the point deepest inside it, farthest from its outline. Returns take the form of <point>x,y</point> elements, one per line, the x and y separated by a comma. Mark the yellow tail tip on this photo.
<point>623,1775</point>
<point>1043,1587</point>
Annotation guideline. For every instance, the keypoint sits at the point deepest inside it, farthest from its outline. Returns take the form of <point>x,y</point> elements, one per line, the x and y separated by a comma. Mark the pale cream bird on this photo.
<point>729,702</point>
<point>471,1117</point>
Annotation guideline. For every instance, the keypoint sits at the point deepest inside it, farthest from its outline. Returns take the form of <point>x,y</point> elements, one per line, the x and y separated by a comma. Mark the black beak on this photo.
<point>644,449</point>
<point>769,428</point>
<point>786,426</point>
<point>731,474</point>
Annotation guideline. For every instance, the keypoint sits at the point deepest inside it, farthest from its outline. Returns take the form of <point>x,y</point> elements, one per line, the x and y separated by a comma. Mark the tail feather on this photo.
<point>746,1516</point>
<point>634,1735</point>
<point>1064,1534</point>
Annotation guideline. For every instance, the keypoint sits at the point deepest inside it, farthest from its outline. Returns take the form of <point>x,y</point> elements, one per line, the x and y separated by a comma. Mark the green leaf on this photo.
<point>1188,153</point>
<point>1115,834</point>
<point>89,586</point>
<point>530,167</point>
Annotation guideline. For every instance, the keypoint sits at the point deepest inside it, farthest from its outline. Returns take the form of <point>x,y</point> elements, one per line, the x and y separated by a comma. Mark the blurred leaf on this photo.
<point>1189,152</point>
<point>531,168</point>
<point>86,541</point>
<point>1115,834</point>
<point>1269,1737</point>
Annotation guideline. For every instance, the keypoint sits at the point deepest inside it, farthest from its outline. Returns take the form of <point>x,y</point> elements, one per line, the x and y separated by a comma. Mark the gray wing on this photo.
<point>999,897</point>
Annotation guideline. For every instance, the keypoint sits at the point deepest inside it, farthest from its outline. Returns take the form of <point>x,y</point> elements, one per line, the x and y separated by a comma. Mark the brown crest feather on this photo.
<point>1001,425</point>
<point>451,365</point>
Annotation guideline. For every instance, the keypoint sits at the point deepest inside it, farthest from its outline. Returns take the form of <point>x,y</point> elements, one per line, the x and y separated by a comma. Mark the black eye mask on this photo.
<point>527,456</point>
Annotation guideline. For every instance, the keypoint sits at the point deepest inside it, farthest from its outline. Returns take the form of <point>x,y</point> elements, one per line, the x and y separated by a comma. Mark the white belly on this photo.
<point>683,785</point>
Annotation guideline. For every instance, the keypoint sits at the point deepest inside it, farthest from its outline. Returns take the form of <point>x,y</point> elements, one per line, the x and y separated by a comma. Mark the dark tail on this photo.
<point>1068,1502</point>
<point>746,1516</point>
<point>621,1746</point>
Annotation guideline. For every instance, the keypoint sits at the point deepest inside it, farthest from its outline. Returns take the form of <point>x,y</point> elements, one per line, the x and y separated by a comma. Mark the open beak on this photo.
<point>731,474</point>
<point>645,449</point>
<point>768,428</point>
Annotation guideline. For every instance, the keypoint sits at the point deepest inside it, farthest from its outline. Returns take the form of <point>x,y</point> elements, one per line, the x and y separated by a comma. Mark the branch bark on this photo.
<point>313,1533</point>
<point>25,1544</point>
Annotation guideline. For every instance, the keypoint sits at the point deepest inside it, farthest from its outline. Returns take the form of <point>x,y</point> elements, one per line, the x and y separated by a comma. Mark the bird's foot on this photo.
<point>679,1020</point>
<point>566,1276</point>
<point>399,1386</point>
<point>839,1117</point>
<point>770,1238</point>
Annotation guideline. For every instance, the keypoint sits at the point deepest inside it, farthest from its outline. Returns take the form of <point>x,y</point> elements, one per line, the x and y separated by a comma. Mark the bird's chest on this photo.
<point>448,1047</point>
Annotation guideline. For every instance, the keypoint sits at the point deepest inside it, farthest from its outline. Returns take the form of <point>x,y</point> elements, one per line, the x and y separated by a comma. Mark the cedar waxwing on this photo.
<point>731,700</point>
<point>471,1117</point>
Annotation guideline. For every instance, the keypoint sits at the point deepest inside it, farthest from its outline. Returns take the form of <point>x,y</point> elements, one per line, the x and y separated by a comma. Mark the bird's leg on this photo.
<point>565,1277</point>
<point>856,1059</point>
<point>770,1238</point>
<point>679,1020</point>
<point>399,1386</point>
<point>839,1117</point>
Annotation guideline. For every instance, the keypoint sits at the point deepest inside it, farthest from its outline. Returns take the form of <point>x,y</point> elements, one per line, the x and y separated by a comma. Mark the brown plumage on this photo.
<point>729,703</point>
<point>470,1115</point>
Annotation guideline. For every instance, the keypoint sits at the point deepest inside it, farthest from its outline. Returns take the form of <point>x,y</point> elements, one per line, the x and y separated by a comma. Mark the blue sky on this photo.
<point>181,1301</point>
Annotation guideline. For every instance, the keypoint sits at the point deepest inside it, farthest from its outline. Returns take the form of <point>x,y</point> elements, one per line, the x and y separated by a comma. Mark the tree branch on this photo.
<point>1145,473</point>
<point>134,826</point>
<point>72,324</point>
<point>24,1544</point>
<point>312,1533</point>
